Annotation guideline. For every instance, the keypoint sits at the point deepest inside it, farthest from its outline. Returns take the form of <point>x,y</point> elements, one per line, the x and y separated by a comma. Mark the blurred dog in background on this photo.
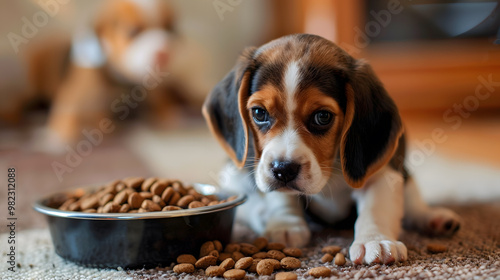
<point>129,55</point>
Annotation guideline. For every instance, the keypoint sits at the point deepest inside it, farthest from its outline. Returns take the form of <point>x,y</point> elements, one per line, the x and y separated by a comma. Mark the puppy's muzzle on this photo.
<point>285,171</point>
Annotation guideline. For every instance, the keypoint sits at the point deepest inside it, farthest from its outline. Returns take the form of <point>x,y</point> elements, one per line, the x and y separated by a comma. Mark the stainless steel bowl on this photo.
<point>137,240</point>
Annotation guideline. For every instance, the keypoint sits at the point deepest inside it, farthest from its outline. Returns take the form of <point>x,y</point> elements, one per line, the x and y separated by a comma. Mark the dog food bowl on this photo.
<point>137,240</point>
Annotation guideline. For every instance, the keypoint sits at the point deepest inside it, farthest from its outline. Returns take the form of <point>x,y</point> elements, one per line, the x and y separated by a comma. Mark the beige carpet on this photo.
<point>474,253</point>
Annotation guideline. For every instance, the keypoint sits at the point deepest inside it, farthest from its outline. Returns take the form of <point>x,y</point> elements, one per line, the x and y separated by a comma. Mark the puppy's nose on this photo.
<point>285,171</point>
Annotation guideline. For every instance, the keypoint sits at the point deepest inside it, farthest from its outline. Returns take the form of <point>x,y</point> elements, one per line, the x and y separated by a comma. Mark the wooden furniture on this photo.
<point>432,74</point>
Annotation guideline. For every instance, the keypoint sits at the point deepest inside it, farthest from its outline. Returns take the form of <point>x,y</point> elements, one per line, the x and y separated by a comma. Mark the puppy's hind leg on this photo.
<point>418,215</point>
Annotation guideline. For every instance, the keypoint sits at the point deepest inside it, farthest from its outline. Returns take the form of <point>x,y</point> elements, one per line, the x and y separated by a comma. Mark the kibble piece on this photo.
<point>332,250</point>
<point>206,248</point>
<point>121,197</point>
<point>124,208</point>
<point>248,249</point>
<point>260,255</point>
<point>212,203</point>
<point>285,276</point>
<point>276,263</point>
<point>135,200</point>
<point>91,210</point>
<point>171,208</point>
<point>178,187</point>
<point>224,256</point>
<point>167,194</point>
<point>227,263</point>
<point>235,274</point>
<point>275,246</point>
<point>174,199</point>
<point>205,200</point>
<point>157,199</point>
<point>231,198</point>
<point>214,253</point>
<point>275,254</point>
<point>293,252</point>
<point>142,210</point>
<point>150,206</point>
<point>186,258</point>
<point>435,248</point>
<point>146,185</point>
<point>218,245</point>
<point>119,187</point>
<point>184,268</point>
<point>265,267</point>
<point>260,243</point>
<point>158,187</point>
<point>205,262</point>
<point>237,256</point>
<point>214,271</point>
<point>185,200</point>
<point>232,247</point>
<point>66,204</point>
<point>243,263</point>
<point>290,263</point>
<point>105,199</point>
<point>339,259</point>
<point>90,202</point>
<point>195,204</point>
<point>146,195</point>
<point>253,267</point>
<point>133,182</point>
<point>195,194</point>
<point>111,188</point>
<point>111,207</point>
<point>75,206</point>
<point>321,271</point>
<point>327,258</point>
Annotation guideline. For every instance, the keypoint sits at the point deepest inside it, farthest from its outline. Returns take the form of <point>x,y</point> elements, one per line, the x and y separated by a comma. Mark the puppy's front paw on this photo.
<point>379,249</point>
<point>290,230</point>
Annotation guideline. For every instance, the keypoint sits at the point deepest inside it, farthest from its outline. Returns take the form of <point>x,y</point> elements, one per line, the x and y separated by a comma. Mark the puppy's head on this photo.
<point>135,36</point>
<point>290,107</point>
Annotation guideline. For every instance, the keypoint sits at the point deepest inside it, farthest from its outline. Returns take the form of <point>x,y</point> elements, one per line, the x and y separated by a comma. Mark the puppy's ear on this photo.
<point>371,129</point>
<point>225,109</point>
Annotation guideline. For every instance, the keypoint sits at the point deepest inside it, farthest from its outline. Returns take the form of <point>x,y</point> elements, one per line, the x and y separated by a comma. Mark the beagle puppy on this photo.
<point>305,124</point>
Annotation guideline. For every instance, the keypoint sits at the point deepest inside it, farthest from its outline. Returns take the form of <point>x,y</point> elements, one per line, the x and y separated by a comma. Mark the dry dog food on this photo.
<point>261,257</point>
<point>184,268</point>
<point>435,248</point>
<point>290,263</point>
<point>214,271</point>
<point>293,252</point>
<point>327,258</point>
<point>332,250</point>
<point>244,263</point>
<point>286,276</point>
<point>321,271</point>
<point>339,259</point>
<point>139,195</point>
<point>265,267</point>
<point>235,274</point>
<point>186,258</point>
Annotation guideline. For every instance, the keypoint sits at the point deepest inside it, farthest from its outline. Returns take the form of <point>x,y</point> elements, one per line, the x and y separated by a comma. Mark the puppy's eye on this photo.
<point>323,118</point>
<point>320,122</point>
<point>260,115</point>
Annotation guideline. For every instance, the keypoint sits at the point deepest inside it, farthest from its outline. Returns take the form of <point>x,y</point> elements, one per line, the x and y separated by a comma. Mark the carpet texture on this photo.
<point>473,253</point>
